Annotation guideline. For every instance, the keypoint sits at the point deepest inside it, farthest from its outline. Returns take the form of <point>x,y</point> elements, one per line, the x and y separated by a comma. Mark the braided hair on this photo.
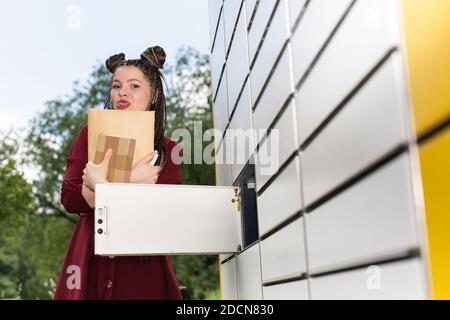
<point>150,63</point>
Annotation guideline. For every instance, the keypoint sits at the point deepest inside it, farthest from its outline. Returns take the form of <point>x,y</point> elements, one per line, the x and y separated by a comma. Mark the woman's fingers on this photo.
<point>86,182</point>
<point>156,170</point>
<point>148,157</point>
<point>107,158</point>
<point>156,173</point>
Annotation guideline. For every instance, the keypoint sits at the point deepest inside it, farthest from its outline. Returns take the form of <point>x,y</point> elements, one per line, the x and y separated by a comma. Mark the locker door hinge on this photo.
<point>237,199</point>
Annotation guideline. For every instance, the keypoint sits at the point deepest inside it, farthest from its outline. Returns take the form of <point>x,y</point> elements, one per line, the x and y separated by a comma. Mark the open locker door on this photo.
<point>153,219</point>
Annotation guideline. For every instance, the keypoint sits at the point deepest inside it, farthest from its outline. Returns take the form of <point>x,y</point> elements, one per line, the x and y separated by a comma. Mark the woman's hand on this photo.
<point>144,172</point>
<point>96,173</point>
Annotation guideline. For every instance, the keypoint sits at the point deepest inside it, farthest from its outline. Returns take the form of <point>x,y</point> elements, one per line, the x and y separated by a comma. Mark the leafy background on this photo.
<point>35,230</point>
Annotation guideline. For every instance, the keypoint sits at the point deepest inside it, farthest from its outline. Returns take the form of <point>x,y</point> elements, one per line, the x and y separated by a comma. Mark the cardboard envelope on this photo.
<point>121,161</point>
<point>136,125</point>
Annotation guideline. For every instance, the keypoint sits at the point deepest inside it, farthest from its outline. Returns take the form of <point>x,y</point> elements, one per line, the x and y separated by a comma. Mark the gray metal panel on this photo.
<point>319,20</point>
<point>368,127</point>
<point>229,280</point>
<point>277,91</point>
<point>241,140</point>
<point>249,7</point>
<point>259,25</point>
<point>276,36</point>
<point>231,10</point>
<point>223,165</point>
<point>214,10</point>
<point>278,146</point>
<point>218,56</point>
<point>220,110</point>
<point>399,280</point>
<point>283,253</point>
<point>371,220</point>
<point>295,290</point>
<point>295,7</point>
<point>237,62</point>
<point>366,35</point>
<point>281,199</point>
<point>249,274</point>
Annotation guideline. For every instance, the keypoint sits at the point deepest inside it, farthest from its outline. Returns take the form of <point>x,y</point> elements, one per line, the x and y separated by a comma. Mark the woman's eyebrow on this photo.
<point>128,80</point>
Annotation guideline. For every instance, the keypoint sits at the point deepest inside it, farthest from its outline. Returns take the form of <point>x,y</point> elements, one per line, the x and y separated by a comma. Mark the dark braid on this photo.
<point>150,63</point>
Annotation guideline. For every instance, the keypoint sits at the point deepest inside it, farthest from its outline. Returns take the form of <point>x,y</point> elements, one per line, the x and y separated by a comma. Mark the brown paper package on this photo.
<point>121,162</point>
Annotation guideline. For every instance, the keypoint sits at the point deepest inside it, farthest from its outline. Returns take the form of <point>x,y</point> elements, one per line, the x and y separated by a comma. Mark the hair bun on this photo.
<point>154,57</point>
<point>113,61</point>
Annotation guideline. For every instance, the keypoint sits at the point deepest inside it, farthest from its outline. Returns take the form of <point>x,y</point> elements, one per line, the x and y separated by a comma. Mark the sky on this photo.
<point>46,45</point>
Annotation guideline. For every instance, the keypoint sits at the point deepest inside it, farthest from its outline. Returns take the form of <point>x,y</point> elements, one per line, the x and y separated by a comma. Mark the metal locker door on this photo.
<point>152,219</point>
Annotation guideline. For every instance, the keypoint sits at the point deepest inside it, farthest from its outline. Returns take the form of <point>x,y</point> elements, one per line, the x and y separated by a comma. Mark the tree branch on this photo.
<point>58,211</point>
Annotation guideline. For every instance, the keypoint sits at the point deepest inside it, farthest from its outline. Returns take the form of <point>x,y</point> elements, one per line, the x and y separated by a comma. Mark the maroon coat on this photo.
<point>100,277</point>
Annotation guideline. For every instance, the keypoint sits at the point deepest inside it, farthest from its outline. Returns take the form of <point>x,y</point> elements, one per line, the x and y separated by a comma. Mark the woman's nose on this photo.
<point>123,92</point>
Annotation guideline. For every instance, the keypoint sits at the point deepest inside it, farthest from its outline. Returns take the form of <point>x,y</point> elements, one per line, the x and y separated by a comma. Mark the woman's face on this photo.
<point>130,89</point>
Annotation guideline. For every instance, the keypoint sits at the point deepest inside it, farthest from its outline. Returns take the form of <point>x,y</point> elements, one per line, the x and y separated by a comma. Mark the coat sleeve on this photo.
<point>172,171</point>
<point>71,197</point>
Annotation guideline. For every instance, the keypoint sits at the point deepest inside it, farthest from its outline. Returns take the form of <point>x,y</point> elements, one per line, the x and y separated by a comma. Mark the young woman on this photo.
<point>136,85</point>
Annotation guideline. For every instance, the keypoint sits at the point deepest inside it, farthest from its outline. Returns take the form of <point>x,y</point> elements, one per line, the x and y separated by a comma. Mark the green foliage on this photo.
<point>16,204</point>
<point>198,274</point>
<point>31,243</point>
<point>35,230</point>
<point>15,197</point>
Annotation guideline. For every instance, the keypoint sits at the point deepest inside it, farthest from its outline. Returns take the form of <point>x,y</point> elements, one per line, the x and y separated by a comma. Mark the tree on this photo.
<point>16,204</point>
<point>29,240</point>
